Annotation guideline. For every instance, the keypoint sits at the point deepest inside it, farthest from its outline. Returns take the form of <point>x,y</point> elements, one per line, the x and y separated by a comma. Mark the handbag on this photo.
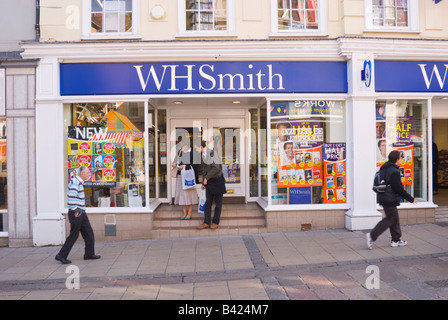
<point>202,200</point>
<point>188,179</point>
<point>173,171</point>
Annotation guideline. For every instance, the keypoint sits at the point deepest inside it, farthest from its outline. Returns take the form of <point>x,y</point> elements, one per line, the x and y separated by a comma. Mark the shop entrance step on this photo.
<point>235,219</point>
<point>441,214</point>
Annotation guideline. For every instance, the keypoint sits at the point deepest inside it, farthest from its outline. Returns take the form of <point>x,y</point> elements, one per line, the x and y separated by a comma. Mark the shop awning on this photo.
<point>120,137</point>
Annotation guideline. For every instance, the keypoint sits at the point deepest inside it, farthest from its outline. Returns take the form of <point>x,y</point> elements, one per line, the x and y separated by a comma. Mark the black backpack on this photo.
<point>385,195</point>
<point>379,184</point>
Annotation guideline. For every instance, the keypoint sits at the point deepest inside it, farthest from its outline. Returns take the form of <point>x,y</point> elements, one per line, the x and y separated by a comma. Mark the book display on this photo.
<point>307,168</point>
<point>113,151</point>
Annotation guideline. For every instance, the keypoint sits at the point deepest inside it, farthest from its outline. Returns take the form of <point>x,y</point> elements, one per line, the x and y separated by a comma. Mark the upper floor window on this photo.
<point>110,18</point>
<point>206,17</point>
<point>392,15</point>
<point>296,17</point>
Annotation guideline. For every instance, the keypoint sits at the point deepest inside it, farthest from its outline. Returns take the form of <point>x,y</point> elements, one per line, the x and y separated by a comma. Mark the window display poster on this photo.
<point>99,157</point>
<point>400,134</point>
<point>299,167</point>
<point>334,184</point>
<point>400,128</point>
<point>406,164</point>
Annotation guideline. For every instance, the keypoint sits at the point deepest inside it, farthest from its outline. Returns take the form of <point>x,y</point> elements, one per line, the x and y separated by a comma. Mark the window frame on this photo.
<point>421,172</point>
<point>86,24</point>
<point>413,19</point>
<point>320,31</point>
<point>311,206</point>
<point>151,203</point>
<point>183,32</point>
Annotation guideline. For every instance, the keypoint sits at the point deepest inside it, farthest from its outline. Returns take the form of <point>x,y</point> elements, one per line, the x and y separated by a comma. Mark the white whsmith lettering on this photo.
<point>208,80</point>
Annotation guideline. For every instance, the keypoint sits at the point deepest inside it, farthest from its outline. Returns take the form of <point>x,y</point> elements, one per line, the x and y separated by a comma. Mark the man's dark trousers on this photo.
<point>217,199</point>
<point>391,221</point>
<point>77,225</point>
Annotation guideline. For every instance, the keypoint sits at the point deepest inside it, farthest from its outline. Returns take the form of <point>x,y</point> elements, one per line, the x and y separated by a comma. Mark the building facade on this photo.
<point>287,91</point>
<point>17,124</point>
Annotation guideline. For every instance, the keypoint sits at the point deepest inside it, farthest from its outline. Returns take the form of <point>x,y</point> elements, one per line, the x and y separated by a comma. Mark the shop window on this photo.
<point>402,125</point>
<point>105,18</point>
<point>392,15</point>
<point>206,17</point>
<point>308,152</point>
<point>101,137</point>
<point>294,17</point>
<point>3,179</point>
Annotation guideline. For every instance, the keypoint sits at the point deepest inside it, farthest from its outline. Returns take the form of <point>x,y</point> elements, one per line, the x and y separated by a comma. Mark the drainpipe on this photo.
<point>37,25</point>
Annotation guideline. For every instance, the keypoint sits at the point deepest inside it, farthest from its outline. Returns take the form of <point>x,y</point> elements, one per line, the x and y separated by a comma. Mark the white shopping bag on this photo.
<point>202,199</point>
<point>188,179</point>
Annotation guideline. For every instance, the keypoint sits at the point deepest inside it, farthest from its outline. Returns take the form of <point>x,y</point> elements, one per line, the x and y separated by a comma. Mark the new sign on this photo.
<point>206,77</point>
<point>411,76</point>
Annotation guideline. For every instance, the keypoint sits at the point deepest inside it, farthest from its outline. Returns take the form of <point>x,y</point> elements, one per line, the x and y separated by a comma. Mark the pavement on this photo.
<point>302,265</point>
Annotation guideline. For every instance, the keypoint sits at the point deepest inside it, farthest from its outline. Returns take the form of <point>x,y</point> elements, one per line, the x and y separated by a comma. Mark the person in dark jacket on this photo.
<point>391,221</point>
<point>214,184</point>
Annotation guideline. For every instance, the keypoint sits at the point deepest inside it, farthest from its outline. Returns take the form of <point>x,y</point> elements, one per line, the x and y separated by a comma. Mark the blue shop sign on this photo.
<point>202,77</point>
<point>411,76</point>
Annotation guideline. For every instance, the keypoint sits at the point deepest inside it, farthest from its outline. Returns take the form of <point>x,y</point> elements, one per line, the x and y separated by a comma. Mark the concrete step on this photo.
<point>228,210</point>
<point>197,220</point>
<point>441,214</point>
<point>194,233</point>
<point>235,219</point>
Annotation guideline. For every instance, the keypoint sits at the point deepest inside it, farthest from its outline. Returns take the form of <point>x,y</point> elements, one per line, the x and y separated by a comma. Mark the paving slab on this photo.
<point>322,265</point>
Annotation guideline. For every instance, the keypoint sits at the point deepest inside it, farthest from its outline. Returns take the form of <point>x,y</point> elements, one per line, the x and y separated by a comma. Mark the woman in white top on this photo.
<point>185,198</point>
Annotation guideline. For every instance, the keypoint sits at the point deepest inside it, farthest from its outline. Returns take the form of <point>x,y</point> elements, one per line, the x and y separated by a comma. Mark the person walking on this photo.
<point>77,216</point>
<point>186,198</point>
<point>391,172</point>
<point>214,185</point>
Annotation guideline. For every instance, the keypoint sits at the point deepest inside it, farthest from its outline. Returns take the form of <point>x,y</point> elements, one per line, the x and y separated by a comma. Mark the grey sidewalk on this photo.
<point>327,264</point>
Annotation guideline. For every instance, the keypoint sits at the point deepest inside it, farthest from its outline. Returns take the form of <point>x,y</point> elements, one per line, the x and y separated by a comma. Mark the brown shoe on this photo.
<point>214,226</point>
<point>203,226</point>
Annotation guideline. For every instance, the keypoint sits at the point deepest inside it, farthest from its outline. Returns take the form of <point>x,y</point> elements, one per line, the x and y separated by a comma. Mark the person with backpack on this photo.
<point>389,200</point>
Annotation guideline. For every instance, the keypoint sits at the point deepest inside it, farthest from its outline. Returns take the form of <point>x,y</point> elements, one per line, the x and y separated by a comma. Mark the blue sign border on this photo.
<point>411,76</point>
<point>202,78</point>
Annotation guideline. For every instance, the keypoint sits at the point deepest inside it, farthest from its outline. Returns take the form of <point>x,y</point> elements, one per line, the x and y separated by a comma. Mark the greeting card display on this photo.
<point>334,187</point>
<point>99,157</point>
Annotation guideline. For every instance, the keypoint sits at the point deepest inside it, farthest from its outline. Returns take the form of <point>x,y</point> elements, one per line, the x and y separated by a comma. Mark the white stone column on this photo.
<point>49,223</point>
<point>363,213</point>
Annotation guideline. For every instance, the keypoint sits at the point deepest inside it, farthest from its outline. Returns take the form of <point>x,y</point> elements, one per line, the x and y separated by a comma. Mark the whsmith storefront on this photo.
<point>300,128</point>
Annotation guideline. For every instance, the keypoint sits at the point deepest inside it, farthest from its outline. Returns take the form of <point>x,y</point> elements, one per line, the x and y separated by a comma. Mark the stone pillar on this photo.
<point>363,213</point>
<point>49,223</point>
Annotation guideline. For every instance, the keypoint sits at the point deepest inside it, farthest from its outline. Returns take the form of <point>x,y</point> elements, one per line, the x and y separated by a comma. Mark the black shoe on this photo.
<point>93,257</point>
<point>63,260</point>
